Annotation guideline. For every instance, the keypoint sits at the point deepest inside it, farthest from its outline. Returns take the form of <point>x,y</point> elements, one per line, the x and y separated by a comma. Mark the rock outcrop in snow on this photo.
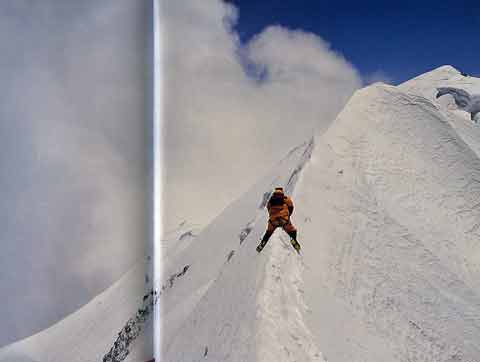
<point>117,321</point>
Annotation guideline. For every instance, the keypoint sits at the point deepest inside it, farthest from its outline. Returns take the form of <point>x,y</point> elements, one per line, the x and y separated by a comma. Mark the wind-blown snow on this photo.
<point>465,90</point>
<point>464,101</point>
<point>427,85</point>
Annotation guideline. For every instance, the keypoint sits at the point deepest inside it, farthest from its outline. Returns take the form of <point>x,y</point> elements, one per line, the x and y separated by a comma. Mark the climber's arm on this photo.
<point>289,203</point>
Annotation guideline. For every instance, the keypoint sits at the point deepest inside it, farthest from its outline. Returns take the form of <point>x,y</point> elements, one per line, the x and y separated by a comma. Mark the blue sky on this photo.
<point>401,39</point>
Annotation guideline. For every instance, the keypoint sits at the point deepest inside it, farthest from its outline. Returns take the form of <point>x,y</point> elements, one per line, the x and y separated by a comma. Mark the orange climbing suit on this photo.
<point>280,216</point>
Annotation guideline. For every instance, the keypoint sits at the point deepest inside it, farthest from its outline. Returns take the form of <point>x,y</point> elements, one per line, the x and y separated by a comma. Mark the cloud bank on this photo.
<point>73,154</point>
<point>233,110</point>
<point>75,140</point>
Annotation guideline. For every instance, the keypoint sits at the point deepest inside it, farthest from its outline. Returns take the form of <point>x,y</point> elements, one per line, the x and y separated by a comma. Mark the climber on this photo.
<point>280,208</point>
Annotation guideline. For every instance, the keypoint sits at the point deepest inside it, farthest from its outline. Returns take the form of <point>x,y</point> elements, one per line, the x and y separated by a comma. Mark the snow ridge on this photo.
<point>232,330</point>
<point>387,210</point>
<point>281,312</point>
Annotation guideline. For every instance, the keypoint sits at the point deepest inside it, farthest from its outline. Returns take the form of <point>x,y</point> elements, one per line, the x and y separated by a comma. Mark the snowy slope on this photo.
<point>387,206</point>
<point>219,308</point>
<point>193,269</point>
<point>392,195</point>
<point>178,239</point>
<point>88,334</point>
<point>387,203</point>
<point>428,84</point>
<point>445,76</point>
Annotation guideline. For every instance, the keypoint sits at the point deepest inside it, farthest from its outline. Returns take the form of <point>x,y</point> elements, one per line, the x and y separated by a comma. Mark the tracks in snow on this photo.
<point>283,333</point>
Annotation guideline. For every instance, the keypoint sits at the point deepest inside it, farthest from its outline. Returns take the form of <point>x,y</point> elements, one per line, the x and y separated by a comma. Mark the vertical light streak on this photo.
<point>157,169</point>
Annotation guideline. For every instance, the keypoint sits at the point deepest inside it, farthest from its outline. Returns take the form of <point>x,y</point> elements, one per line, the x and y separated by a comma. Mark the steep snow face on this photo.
<point>387,206</point>
<point>458,106</point>
<point>233,304</point>
<point>389,220</point>
<point>109,320</point>
<point>463,89</point>
<point>90,333</point>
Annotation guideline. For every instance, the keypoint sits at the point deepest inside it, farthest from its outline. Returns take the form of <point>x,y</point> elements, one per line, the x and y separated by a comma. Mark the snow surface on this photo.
<point>178,239</point>
<point>89,333</point>
<point>387,207</point>
<point>220,309</point>
<point>392,193</point>
<point>465,90</point>
<point>387,203</point>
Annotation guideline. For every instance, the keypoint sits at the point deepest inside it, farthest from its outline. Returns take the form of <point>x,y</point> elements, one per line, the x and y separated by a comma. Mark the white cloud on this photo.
<point>378,76</point>
<point>223,127</point>
<point>74,141</point>
<point>73,149</point>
